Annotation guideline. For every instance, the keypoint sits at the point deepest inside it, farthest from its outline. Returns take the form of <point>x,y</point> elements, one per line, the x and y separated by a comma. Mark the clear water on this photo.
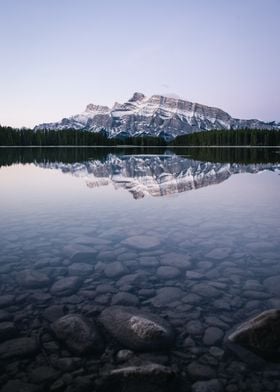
<point>211,215</point>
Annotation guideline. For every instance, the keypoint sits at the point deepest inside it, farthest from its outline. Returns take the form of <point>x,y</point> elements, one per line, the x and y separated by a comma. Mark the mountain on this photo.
<point>154,175</point>
<point>158,115</point>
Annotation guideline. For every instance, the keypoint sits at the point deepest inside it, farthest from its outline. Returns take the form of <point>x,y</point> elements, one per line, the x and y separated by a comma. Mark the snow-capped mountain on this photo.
<point>154,175</point>
<point>155,116</point>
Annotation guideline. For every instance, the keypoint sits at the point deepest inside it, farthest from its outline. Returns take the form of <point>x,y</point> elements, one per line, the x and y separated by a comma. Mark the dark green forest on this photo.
<point>69,137</point>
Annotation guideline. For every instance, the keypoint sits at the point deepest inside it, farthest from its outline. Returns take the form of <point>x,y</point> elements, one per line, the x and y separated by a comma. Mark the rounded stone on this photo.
<point>212,336</point>
<point>126,299</point>
<point>80,269</point>
<point>142,242</point>
<point>66,286</point>
<point>114,270</point>
<point>32,279</point>
<point>167,272</point>
<point>136,329</point>
<point>78,333</point>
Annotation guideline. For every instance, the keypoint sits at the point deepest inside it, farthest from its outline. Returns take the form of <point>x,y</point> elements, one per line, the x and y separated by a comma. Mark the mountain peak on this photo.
<point>137,97</point>
<point>96,108</point>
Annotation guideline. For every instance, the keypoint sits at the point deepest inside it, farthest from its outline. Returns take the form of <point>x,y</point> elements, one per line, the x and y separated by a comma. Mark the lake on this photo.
<point>190,236</point>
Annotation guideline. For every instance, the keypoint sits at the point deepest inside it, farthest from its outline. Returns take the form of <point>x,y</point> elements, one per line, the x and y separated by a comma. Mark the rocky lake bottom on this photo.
<point>140,281</point>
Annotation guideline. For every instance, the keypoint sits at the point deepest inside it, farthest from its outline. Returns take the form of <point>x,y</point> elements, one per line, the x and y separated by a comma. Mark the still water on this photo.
<point>189,235</point>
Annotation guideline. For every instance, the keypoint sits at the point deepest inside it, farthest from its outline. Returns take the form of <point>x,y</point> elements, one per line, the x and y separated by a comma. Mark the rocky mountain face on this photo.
<point>154,175</point>
<point>155,116</point>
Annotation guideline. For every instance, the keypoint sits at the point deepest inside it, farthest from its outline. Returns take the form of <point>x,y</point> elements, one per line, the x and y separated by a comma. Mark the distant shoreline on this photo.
<point>139,147</point>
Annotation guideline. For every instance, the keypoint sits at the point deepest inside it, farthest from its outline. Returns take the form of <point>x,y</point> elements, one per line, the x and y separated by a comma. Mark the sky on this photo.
<point>59,55</point>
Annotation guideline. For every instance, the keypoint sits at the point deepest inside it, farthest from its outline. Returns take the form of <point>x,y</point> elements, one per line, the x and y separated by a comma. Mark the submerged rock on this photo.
<point>32,279</point>
<point>149,378</point>
<point>142,242</point>
<point>20,347</point>
<point>66,286</point>
<point>79,335</point>
<point>136,329</point>
<point>260,334</point>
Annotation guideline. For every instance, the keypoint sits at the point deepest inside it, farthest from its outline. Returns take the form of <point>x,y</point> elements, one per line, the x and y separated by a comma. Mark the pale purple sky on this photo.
<point>59,55</point>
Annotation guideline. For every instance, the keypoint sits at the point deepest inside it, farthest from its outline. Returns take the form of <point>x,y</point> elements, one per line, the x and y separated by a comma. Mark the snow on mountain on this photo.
<point>157,115</point>
<point>154,175</point>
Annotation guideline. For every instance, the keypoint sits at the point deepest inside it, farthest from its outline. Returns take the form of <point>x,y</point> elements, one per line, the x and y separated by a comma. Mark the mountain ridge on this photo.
<point>157,115</point>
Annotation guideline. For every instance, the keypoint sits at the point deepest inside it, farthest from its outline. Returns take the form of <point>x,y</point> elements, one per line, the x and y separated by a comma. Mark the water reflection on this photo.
<point>151,172</point>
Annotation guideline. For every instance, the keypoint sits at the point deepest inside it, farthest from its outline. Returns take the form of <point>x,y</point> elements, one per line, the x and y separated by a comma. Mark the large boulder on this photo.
<point>149,378</point>
<point>136,329</point>
<point>78,333</point>
<point>260,334</point>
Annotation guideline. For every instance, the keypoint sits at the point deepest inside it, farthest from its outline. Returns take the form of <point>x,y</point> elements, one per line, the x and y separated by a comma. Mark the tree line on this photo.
<point>69,137</point>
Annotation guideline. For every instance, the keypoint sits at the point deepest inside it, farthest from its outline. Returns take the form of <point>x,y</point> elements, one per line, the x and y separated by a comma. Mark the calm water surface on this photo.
<point>190,235</point>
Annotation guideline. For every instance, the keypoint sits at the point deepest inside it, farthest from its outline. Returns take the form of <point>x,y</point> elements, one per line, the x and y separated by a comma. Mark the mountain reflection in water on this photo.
<point>152,172</point>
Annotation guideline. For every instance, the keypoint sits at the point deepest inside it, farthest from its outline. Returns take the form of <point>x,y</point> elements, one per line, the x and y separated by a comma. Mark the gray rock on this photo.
<point>194,275</point>
<point>6,300</point>
<point>208,386</point>
<point>19,347</point>
<point>177,260</point>
<point>206,290</point>
<point>192,299</point>
<point>32,279</point>
<point>219,253</point>
<point>194,327</point>
<point>260,334</point>
<point>115,269</point>
<point>136,329</point>
<point>149,378</point>
<point>124,355</point>
<point>66,286</point>
<point>200,372</point>
<point>166,295</point>
<point>142,242</point>
<point>272,284</point>
<point>43,374</point>
<point>19,386</point>
<point>53,312</point>
<point>78,333</point>
<point>212,336</point>
<point>126,299</point>
<point>80,269</point>
<point>167,272</point>
<point>7,330</point>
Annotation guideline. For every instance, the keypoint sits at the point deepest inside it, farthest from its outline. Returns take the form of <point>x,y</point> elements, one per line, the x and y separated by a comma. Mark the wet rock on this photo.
<point>177,260</point>
<point>148,261</point>
<point>32,279</point>
<point>43,374</point>
<point>66,286</point>
<point>260,334</point>
<point>19,347</point>
<point>80,269</point>
<point>142,242</point>
<point>5,316</point>
<point>124,355</point>
<point>126,299</point>
<point>219,253</point>
<point>200,372</point>
<point>208,386</point>
<point>212,336</point>
<point>193,299</point>
<point>67,364</point>
<point>166,295</point>
<point>53,312</point>
<point>6,300</point>
<point>194,327</point>
<point>193,275</point>
<point>136,329</point>
<point>167,272</point>
<point>7,330</point>
<point>149,378</point>
<point>19,386</point>
<point>272,284</point>
<point>206,290</point>
<point>78,333</point>
<point>114,270</point>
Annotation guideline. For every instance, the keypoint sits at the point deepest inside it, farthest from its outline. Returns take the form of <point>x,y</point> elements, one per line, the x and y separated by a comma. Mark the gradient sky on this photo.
<point>59,55</point>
